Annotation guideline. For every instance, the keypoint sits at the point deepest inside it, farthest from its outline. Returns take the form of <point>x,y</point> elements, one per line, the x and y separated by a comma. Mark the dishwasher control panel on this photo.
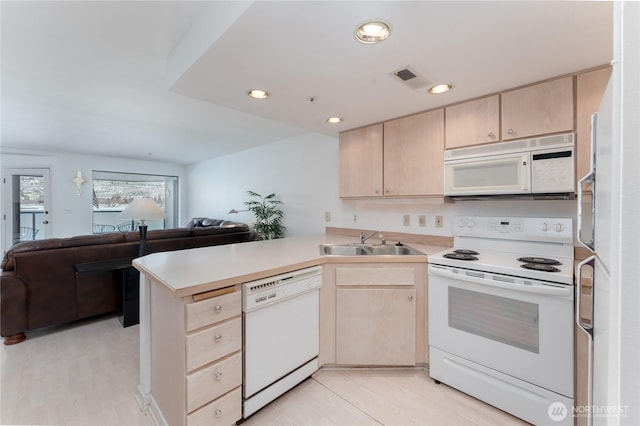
<point>267,291</point>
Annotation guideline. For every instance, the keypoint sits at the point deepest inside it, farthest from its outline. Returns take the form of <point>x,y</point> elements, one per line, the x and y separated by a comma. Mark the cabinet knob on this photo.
<point>410,298</point>
<point>46,222</point>
<point>218,308</point>
<point>218,412</point>
<point>377,191</point>
<point>491,135</point>
<point>217,337</point>
<point>218,375</point>
<point>510,131</point>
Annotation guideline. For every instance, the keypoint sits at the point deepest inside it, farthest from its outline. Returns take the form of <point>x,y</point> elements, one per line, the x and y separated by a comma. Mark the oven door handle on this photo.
<point>541,289</point>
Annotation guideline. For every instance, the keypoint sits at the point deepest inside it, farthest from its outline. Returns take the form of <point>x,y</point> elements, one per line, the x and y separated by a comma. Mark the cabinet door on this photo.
<point>539,109</point>
<point>361,162</point>
<point>376,326</point>
<point>474,122</point>
<point>414,155</point>
<point>589,91</point>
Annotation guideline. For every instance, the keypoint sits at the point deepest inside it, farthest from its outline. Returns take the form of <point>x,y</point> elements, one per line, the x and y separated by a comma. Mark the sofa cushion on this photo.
<point>8,259</point>
<point>159,234</point>
<point>211,222</point>
<point>223,229</point>
<point>92,240</point>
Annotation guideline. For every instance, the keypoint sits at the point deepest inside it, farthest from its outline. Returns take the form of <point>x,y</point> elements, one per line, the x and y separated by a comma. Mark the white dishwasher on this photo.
<point>281,334</point>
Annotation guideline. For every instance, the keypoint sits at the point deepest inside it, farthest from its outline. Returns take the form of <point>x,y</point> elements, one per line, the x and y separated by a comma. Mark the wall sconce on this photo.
<point>79,181</point>
<point>234,211</point>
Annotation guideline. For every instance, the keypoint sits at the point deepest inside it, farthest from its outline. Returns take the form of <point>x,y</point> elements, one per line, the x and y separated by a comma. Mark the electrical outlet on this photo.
<point>422,220</point>
<point>438,221</point>
<point>355,218</point>
<point>406,220</point>
<point>327,216</point>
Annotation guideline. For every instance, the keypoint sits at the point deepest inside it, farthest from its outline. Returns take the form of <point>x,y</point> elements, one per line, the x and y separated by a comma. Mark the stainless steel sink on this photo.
<point>342,250</point>
<point>367,250</point>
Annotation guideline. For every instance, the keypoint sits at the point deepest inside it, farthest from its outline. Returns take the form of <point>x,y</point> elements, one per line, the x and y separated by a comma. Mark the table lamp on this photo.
<point>143,209</point>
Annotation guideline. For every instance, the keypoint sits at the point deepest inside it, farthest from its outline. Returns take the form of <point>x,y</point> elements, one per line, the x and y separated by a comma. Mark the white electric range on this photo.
<point>501,314</point>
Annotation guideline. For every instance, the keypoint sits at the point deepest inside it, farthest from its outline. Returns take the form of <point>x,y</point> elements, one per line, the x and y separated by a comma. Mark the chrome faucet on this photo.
<point>363,238</point>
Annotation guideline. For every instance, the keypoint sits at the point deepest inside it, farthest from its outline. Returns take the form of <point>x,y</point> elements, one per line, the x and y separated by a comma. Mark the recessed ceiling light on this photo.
<point>334,120</point>
<point>373,31</point>
<point>440,88</point>
<point>258,94</point>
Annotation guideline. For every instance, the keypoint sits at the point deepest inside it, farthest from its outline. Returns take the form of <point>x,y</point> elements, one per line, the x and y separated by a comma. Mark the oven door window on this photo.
<point>509,321</point>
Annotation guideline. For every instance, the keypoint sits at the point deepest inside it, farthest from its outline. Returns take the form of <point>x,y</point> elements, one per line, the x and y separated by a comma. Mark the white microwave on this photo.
<point>535,168</point>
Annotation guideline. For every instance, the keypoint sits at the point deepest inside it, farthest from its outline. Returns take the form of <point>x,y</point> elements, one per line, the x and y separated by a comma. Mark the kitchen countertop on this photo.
<point>187,272</point>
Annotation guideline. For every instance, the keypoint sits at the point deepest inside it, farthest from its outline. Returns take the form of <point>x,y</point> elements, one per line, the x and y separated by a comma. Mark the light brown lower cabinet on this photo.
<point>376,326</point>
<point>196,357</point>
<point>374,314</point>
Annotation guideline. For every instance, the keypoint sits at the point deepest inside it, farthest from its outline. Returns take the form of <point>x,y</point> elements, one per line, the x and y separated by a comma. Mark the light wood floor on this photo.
<point>87,374</point>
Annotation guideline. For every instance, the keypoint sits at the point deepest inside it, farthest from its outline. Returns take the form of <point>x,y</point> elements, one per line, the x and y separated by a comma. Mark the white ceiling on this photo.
<point>168,80</point>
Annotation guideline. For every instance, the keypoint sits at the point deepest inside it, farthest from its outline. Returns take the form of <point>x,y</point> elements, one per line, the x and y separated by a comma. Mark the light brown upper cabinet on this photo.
<point>589,91</point>
<point>413,155</point>
<point>538,109</point>
<point>472,123</point>
<point>361,162</point>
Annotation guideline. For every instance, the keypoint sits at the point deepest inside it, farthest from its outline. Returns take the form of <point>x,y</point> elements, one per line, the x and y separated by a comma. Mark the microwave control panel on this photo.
<point>552,171</point>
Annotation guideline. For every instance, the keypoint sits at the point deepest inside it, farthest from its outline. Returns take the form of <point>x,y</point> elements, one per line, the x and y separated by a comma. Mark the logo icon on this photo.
<point>557,411</point>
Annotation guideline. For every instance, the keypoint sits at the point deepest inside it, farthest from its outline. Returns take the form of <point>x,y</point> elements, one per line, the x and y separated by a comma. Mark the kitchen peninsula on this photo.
<point>192,296</point>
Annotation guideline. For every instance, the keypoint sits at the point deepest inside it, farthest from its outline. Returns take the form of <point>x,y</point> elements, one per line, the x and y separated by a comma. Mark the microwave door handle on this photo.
<point>587,329</point>
<point>526,173</point>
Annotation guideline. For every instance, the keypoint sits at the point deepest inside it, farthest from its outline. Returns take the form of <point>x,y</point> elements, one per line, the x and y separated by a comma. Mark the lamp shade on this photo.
<point>142,209</point>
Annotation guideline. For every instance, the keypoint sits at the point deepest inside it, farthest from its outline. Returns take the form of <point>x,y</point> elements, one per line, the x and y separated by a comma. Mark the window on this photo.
<point>113,191</point>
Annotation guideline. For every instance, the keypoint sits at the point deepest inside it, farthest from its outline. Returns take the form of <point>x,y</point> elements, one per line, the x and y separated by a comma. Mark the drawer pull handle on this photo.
<point>218,412</point>
<point>218,375</point>
<point>218,308</point>
<point>217,337</point>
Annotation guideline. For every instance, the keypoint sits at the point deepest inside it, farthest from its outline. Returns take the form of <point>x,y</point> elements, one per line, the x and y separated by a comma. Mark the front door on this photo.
<point>27,205</point>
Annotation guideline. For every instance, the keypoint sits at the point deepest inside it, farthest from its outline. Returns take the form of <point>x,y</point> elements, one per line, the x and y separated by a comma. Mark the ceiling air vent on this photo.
<point>411,78</point>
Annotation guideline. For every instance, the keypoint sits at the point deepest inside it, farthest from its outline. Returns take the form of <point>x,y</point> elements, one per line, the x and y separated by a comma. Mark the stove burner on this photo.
<point>539,260</point>
<point>540,267</point>
<point>469,252</point>
<point>460,256</point>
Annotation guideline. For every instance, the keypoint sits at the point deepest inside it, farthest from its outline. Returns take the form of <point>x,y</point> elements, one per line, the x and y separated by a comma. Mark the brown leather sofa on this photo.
<point>59,280</point>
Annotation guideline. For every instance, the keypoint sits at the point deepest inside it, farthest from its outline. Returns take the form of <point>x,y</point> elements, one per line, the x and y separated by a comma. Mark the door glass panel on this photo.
<point>510,321</point>
<point>28,210</point>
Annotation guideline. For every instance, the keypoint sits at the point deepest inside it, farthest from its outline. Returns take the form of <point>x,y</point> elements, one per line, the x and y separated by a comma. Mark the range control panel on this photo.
<point>520,228</point>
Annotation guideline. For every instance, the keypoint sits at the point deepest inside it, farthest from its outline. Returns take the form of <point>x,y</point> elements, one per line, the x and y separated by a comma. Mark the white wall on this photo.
<point>71,214</point>
<point>303,171</point>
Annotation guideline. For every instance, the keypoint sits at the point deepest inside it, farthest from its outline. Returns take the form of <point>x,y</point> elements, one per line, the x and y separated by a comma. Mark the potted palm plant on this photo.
<point>268,215</point>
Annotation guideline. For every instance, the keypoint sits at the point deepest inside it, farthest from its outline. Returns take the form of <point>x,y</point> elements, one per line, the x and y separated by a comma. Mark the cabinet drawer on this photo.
<point>371,276</point>
<point>212,343</point>
<point>223,411</point>
<point>208,384</point>
<point>210,311</point>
